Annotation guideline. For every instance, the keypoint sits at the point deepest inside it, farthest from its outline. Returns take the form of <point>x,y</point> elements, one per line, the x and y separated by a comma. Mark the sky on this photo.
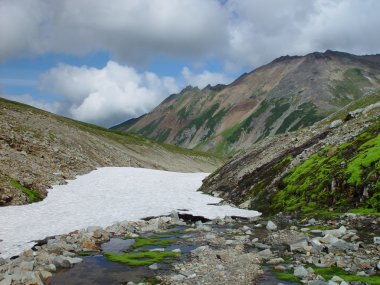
<point>105,62</point>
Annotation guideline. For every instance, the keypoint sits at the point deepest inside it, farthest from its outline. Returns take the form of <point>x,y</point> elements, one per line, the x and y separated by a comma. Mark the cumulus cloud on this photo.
<point>133,30</point>
<point>238,32</point>
<point>204,78</point>
<point>108,95</point>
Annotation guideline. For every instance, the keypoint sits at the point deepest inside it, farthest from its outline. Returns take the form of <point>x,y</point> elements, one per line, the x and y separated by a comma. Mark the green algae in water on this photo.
<point>142,258</point>
<point>145,241</point>
<point>329,272</point>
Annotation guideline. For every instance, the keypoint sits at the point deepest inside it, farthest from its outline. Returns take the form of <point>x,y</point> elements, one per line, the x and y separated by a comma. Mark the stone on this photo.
<point>174,216</point>
<point>45,274</point>
<point>279,268</point>
<point>26,265</point>
<point>153,266</point>
<point>2,261</point>
<point>337,232</point>
<point>341,245</point>
<point>298,245</point>
<point>376,240</point>
<point>266,253</point>
<point>178,277</point>
<point>178,250</point>
<point>249,232</point>
<point>61,262</point>
<point>271,226</point>
<point>91,229</point>
<point>335,124</point>
<point>6,281</point>
<point>311,222</point>
<point>300,271</point>
<point>336,279</point>
<point>328,239</point>
<point>316,282</point>
<point>316,244</point>
<point>74,260</point>
<point>276,260</point>
<point>260,245</point>
<point>378,265</point>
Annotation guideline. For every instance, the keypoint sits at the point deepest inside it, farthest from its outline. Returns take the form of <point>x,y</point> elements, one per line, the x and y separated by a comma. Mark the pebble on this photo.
<point>271,226</point>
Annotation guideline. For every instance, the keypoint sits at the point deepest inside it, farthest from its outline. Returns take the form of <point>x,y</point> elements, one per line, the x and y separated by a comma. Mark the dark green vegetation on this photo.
<point>341,177</point>
<point>142,258</point>
<point>139,253</point>
<point>305,115</point>
<point>329,272</point>
<point>152,241</point>
<point>150,128</point>
<point>350,88</point>
<point>162,136</point>
<point>287,276</point>
<point>208,119</point>
<point>31,194</point>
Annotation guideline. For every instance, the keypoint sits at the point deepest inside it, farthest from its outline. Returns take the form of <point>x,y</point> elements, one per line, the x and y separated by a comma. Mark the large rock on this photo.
<point>298,245</point>
<point>300,271</point>
<point>337,232</point>
<point>328,239</point>
<point>271,226</point>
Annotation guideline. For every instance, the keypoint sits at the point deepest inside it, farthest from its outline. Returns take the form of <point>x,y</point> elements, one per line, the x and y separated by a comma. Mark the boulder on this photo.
<point>335,124</point>
<point>328,239</point>
<point>300,271</point>
<point>271,226</point>
<point>337,232</point>
<point>298,245</point>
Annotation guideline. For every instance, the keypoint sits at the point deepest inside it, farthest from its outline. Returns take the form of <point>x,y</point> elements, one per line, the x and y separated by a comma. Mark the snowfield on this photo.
<point>102,198</point>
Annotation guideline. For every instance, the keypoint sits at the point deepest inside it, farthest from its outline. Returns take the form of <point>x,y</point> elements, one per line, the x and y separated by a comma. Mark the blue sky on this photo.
<point>105,63</point>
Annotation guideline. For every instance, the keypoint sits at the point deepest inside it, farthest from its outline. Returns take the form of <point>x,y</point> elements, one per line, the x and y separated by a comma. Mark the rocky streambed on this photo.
<point>172,250</point>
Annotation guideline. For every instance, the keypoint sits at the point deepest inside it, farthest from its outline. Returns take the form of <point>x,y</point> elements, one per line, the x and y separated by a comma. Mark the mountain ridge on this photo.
<point>284,95</point>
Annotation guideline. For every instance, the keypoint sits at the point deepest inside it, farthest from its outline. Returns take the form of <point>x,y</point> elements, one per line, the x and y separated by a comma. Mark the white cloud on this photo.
<point>240,32</point>
<point>109,95</point>
<point>133,30</point>
<point>205,78</point>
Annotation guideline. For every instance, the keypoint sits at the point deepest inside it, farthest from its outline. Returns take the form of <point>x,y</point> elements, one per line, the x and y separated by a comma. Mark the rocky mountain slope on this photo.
<point>39,149</point>
<point>332,166</point>
<point>285,95</point>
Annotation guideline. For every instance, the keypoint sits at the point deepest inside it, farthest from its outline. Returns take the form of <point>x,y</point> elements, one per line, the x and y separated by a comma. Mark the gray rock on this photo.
<point>275,261</point>
<point>266,253</point>
<point>336,278</point>
<point>300,271</point>
<point>26,265</point>
<point>336,123</point>
<point>342,245</point>
<point>316,282</point>
<point>378,265</point>
<point>260,245</point>
<point>298,245</point>
<point>337,232</point>
<point>61,262</point>
<point>271,226</point>
<point>311,221</point>
<point>328,239</point>
<point>174,216</point>
<point>154,266</point>
<point>6,281</point>
<point>2,261</point>
<point>316,244</point>
<point>177,250</point>
<point>376,240</point>
<point>178,277</point>
<point>45,274</point>
<point>91,229</point>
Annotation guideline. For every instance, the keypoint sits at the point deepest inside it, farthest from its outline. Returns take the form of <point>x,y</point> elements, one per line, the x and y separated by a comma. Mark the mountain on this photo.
<point>39,149</point>
<point>332,166</point>
<point>285,95</point>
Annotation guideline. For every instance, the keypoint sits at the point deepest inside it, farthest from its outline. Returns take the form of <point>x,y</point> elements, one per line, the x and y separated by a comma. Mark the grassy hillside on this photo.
<point>39,149</point>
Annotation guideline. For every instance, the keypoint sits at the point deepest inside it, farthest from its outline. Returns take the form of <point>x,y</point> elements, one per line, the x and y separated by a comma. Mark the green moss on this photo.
<point>144,241</point>
<point>142,258</point>
<point>31,194</point>
<point>329,272</point>
<point>307,187</point>
<point>287,276</point>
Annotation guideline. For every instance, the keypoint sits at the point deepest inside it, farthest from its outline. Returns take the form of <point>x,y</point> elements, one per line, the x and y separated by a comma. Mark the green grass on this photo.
<point>329,272</point>
<point>144,241</point>
<point>142,258</point>
<point>287,276</point>
<point>350,88</point>
<point>32,195</point>
<point>307,187</point>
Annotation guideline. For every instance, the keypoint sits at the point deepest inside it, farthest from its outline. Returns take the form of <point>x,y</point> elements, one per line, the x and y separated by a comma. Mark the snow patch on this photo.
<point>103,197</point>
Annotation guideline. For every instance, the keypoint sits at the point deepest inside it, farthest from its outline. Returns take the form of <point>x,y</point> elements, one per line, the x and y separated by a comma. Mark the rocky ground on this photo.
<point>342,250</point>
